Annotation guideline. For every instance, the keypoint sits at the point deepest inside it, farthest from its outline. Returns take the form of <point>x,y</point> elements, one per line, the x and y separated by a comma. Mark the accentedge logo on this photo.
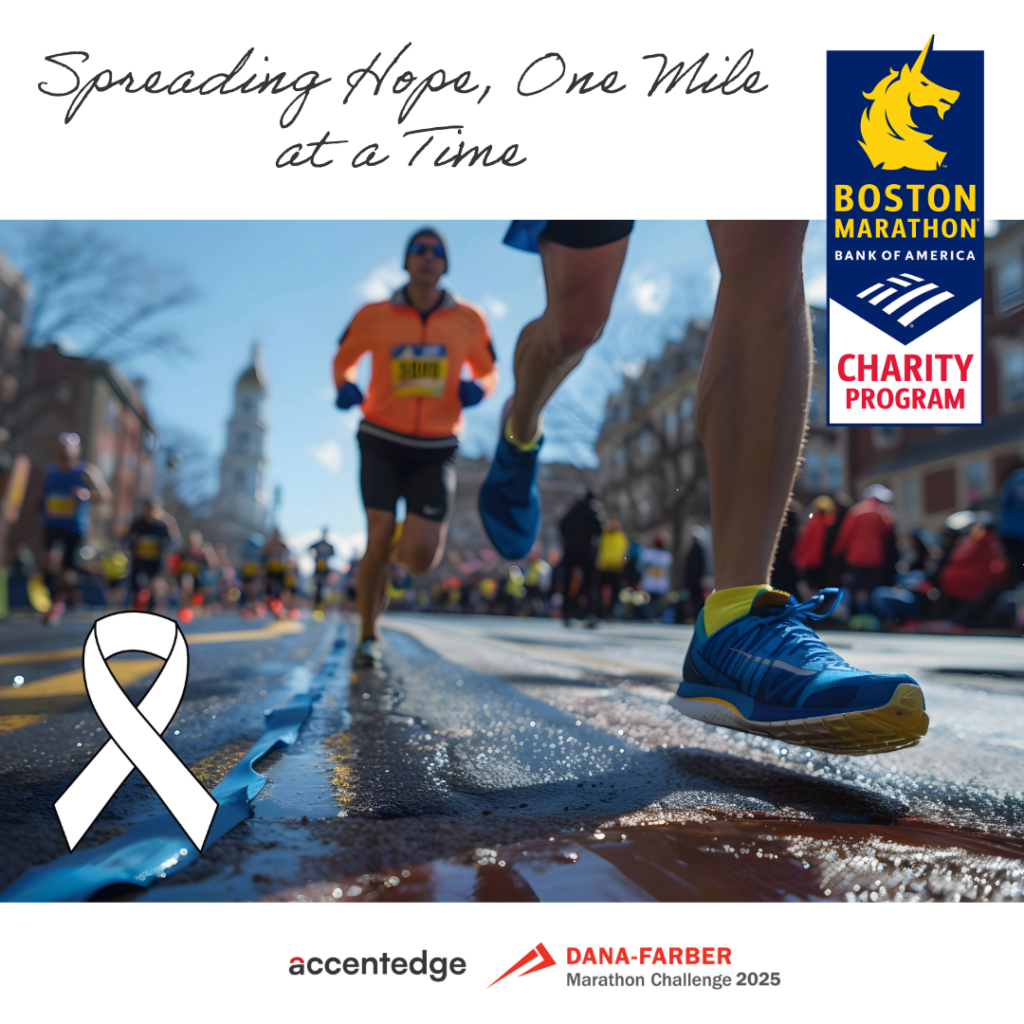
<point>436,968</point>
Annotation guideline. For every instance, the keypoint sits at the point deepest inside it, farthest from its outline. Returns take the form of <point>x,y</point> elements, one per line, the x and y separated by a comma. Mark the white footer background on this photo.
<point>202,962</point>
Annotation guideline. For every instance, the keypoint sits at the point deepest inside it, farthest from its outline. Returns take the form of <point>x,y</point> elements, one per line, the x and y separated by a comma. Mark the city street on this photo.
<point>514,759</point>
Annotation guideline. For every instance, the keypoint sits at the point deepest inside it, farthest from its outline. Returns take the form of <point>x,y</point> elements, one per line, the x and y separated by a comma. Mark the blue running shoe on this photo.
<point>769,673</point>
<point>509,500</point>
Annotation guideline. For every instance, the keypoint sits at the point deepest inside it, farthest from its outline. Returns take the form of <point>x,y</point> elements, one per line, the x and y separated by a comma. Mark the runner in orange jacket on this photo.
<point>419,341</point>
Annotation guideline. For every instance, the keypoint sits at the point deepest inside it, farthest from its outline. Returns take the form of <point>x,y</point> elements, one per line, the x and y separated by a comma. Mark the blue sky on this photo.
<point>293,285</point>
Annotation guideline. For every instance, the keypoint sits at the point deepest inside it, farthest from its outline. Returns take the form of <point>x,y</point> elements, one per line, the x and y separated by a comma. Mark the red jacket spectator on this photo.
<point>976,564</point>
<point>864,536</point>
<point>810,551</point>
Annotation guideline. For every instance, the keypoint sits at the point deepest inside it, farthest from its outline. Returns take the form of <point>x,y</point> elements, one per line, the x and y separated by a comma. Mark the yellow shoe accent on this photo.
<point>39,595</point>
<point>900,723</point>
<point>524,446</point>
<point>722,606</point>
<point>397,535</point>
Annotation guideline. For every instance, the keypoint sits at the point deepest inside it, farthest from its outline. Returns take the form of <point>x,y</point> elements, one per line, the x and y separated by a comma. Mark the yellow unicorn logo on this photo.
<point>888,133</point>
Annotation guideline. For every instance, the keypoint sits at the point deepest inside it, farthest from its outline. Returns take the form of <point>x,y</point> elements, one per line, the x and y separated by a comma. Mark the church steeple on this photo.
<point>242,500</point>
<point>254,377</point>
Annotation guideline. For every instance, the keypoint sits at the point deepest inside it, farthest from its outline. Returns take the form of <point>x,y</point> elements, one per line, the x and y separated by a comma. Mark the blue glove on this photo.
<point>348,395</point>
<point>470,393</point>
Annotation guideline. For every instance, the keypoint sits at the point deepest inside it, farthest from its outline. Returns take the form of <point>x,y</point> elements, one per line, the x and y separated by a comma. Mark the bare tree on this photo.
<point>110,300</point>
<point>186,476</point>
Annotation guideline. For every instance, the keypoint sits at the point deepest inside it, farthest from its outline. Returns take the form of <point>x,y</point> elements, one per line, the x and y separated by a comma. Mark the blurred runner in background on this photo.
<point>322,552</point>
<point>655,565</point>
<point>276,558</point>
<point>69,488</point>
<point>252,568</point>
<point>580,527</point>
<point>149,537</point>
<point>612,552</point>
<point>192,562</point>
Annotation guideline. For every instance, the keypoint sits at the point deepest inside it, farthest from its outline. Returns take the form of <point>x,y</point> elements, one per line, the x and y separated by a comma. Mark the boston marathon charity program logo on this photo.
<point>135,732</point>
<point>905,236</point>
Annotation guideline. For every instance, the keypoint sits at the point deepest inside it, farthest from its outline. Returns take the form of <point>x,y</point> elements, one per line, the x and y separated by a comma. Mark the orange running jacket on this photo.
<point>417,362</point>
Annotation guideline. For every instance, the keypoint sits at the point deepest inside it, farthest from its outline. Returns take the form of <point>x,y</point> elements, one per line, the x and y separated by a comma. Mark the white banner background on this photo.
<point>623,155</point>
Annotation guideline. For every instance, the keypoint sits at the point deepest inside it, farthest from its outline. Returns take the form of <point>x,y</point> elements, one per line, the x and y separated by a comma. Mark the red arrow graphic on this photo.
<point>547,960</point>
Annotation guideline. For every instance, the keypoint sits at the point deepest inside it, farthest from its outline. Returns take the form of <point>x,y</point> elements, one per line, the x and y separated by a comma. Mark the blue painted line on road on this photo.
<point>157,848</point>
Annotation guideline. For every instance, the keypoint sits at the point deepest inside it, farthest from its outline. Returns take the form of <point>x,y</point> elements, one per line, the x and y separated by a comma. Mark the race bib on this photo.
<point>419,371</point>
<point>147,549</point>
<point>61,506</point>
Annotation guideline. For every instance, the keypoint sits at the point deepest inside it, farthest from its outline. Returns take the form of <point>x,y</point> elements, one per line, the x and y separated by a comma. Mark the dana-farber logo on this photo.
<point>906,241</point>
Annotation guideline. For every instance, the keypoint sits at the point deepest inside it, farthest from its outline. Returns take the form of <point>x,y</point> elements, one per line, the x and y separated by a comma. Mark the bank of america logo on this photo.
<point>907,289</point>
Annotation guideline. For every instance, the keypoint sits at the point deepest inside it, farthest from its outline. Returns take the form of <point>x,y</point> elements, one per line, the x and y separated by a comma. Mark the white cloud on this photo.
<point>346,546</point>
<point>68,345</point>
<point>382,281</point>
<point>815,290</point>
<point>631,368</point>
<point>496,309</point>
<point>328,454</point>
<point>991,228</point>
<point>649,290</point>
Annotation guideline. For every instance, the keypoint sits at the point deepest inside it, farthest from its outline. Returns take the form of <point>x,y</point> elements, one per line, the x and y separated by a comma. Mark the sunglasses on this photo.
<point>419,248</point>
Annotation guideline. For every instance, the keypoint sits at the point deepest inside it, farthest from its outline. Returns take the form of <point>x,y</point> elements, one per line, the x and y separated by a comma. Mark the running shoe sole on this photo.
<point>899,723</point>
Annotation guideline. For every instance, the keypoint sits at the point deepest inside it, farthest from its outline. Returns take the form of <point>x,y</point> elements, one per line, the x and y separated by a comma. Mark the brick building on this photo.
<point>96,400</point>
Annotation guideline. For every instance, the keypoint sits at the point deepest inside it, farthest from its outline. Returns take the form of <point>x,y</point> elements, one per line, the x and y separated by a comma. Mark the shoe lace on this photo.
<point>798,638</point>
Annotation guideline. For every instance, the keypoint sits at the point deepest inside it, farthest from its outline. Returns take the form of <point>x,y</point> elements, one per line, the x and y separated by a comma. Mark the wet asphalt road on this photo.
<point>514,759</point>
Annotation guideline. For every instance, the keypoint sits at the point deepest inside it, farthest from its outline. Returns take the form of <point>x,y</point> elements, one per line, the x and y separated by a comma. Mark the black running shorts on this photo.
<point>58,536</point>
<point>586,234</point>
<point>425,476</point>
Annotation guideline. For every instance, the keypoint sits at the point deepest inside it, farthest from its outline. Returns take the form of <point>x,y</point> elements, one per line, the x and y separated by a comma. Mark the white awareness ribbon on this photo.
<point>135,733</point>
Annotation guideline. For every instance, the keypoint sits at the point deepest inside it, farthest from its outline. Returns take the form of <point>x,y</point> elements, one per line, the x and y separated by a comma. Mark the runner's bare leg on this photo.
<point>422,544</point>
<point>580,285</point>
<point>373,570</point>
<point>753,392</point>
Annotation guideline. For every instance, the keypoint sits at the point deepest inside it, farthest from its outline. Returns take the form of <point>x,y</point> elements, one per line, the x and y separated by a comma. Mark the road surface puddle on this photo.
<point>738,860</point>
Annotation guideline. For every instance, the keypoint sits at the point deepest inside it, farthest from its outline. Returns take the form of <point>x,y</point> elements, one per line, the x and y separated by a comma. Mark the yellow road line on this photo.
<point>64,654</point>
<point>8,723</point>
<point>126,671</point>
<point>280,627</point>
<point>68,684</point>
